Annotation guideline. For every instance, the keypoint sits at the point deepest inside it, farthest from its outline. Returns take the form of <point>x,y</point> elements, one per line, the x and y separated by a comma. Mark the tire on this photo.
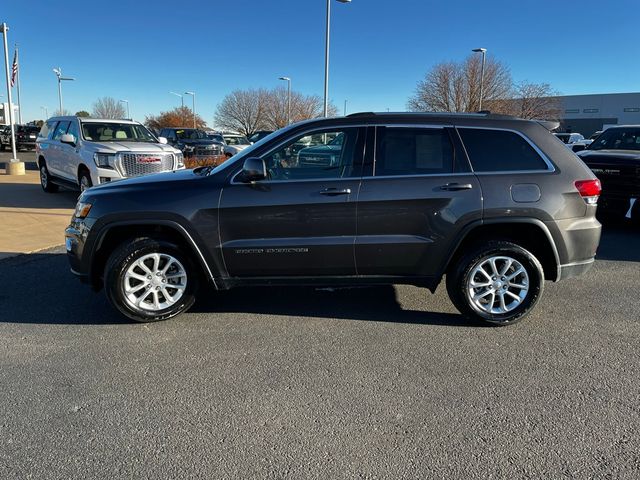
<point>45,179</point>
<point>126,259</point>
<point>488,305</point>
<point>84,180</point>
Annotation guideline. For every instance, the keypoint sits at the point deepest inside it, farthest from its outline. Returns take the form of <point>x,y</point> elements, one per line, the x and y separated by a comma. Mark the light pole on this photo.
<point>127,102</point>
<point>193,94</point>
<point>46,112</point>
<point>326,57</point>
<point>13,166</point>
<point>288,80</point>
<point>178,95</point>
<point>58,72</point>
<point>484,53</point>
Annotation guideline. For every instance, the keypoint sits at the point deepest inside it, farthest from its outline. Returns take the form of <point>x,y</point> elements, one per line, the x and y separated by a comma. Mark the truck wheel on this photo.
<point>84,180</point>
<point>149,280</point>
<point>45,179</point>
<point>497,282</point>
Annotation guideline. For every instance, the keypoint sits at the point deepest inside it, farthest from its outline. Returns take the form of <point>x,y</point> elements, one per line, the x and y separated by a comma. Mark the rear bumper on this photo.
<point>576,269</point>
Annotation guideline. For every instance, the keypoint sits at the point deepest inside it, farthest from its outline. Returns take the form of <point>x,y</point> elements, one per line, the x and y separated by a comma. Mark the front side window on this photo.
<point>116,132</point>
<point>61,129</point>
<point>317,155</point>
<point>500,151</point>
<point>47,129</point>
<point>73,130</point>
<point>412,151</point>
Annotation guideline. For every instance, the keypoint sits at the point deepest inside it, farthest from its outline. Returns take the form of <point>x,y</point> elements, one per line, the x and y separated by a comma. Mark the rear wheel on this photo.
<point>150,280</point>
<point>497,282</point>
<point>45,179</point>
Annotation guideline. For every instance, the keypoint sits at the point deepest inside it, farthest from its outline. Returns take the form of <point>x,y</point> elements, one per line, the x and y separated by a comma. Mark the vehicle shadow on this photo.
<point>30,195</point>
<point>620,241</point>
<point>374,303</point>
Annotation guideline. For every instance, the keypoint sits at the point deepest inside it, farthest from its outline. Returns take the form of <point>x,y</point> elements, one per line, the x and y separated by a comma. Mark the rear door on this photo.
<point>54,153</point>
<point>417,193</point>
<point>301,220</point>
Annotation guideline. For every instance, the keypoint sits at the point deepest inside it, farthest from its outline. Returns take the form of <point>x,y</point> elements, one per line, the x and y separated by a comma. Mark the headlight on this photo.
<point>82,209</point>
<point>179,159</point>
<point>105,160</point>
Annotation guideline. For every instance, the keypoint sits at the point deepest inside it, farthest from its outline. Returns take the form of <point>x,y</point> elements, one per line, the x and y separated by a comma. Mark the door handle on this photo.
<point>335,191</point>
<point>452,187</point>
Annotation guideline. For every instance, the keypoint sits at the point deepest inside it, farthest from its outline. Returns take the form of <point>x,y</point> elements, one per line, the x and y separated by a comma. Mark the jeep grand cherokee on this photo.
<point>496,203</point>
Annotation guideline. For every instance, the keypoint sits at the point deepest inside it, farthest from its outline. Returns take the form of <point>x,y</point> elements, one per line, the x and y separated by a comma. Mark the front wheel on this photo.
<point>150,280</point>
<point>497,282</point>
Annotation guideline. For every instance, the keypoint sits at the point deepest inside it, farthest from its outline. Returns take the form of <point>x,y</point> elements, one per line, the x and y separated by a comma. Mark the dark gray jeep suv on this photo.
<point>498,204</point>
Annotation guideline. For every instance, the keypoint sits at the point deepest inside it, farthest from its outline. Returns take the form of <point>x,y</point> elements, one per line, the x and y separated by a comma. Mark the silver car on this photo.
<point>77,152</point>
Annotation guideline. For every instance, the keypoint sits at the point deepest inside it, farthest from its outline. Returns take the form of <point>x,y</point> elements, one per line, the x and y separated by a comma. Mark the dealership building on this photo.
<point>586,114</point>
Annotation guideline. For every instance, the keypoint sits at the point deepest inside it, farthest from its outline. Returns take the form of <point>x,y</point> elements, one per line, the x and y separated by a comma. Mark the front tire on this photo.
<point>149,280</point>
<point>84,180</point>
<point>497,282</point>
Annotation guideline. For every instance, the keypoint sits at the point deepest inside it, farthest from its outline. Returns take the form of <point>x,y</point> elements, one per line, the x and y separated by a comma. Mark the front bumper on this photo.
<point>75,238</point>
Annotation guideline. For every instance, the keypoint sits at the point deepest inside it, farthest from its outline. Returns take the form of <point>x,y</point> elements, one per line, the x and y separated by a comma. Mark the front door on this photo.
<point>301,220</point>
<point>417,194</point>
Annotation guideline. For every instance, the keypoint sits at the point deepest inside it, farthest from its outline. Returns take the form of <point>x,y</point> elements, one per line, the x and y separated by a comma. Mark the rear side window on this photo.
<point>499,151</point>
<point>47,129</point>
<point>413,151</point>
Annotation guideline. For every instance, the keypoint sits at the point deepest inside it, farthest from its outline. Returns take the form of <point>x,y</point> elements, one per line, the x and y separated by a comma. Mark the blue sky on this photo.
<point>140,50</point>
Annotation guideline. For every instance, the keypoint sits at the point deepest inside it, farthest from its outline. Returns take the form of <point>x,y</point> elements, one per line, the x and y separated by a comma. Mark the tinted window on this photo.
<point>327,154</point>
<point>47,129</point>
<point>61,129</point>
<point>413,151</point>
<point>73,130</point>
<point>617,139</point>
<point>499,151</point>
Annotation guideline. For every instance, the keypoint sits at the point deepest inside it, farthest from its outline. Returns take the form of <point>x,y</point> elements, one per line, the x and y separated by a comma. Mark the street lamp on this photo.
<point>127,102</point>
<point>484,53</point>
<point>326,57</point>
<point>178,95</point>
<point>193,94</point>
<point>58,72</point>
<point>46,112</point>
<point>288,80</point>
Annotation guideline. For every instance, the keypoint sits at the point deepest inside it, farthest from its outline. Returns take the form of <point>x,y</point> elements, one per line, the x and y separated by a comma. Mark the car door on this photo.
<point>416,195</point>
<point>301,220</point>
<point>69,154</point>
<point>53,156</point>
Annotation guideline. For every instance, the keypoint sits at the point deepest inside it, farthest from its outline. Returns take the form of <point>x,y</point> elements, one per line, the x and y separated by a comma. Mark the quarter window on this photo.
<point>413,151</point>
<point>499,151</point>
<point>61,129</point>
<point>324,154</point>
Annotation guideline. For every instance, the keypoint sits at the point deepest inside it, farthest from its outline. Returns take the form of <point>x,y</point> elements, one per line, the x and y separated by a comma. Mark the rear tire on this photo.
<point>45,179</point>
<point>497,282</point>
<point>149,280</point>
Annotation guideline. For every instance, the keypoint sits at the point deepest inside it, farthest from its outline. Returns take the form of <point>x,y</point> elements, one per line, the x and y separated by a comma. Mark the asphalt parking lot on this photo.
<point>303,383</point>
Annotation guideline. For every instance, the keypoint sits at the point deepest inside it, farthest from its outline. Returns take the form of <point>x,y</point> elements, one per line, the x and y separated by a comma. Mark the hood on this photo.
<point>154,179</point>
<point>618,156</point>
<point>134,147</point>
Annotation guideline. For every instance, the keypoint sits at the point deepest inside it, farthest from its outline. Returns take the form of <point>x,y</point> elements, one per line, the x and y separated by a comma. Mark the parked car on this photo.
<point>77,152</point>
<point>259,135</point>
<point>614,156</point>
<point>493,202</point>
<point>234,143</point>
<point>192,142</point>
<point>25,137</point>
<point>215,136</point>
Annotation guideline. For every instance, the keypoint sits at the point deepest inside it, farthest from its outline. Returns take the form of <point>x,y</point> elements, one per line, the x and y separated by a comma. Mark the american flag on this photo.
<point>14,69</point>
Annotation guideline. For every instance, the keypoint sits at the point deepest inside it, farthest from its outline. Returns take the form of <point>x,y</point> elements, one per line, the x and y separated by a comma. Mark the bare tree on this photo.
<point>455,87</point>
<point>303,107</point>
<point>108,107</point>
<point>63,113</point>
<point>535,101</point>
<point>242,111</point>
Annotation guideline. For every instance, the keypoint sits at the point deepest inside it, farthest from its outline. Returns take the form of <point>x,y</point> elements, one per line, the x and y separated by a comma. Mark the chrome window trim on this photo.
<point>550,166</point>
<point>303,133</point>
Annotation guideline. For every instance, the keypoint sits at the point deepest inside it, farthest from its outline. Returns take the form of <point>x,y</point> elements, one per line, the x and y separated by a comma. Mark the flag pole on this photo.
<point>18,86</point>
<point>13,166</point>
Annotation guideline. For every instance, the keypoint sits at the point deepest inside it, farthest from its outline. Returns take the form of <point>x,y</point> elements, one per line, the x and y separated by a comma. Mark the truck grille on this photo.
<point>134,164</point>
<point>207,150</point>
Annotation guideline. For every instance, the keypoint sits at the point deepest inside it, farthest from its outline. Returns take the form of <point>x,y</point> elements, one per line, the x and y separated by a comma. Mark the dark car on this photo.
<point>192,142</point>
<point>259,135</point>
<point>614,156</point>
<point>495,203</point>
<point>26,136</point>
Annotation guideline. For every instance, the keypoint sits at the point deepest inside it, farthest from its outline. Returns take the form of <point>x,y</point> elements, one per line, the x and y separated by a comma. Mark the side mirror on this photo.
<point>162,140</point>
<point>68,139</point>
<point>254,169</point>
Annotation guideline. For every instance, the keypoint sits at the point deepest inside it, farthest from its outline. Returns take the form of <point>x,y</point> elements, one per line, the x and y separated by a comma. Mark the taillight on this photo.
<point>589,190</point>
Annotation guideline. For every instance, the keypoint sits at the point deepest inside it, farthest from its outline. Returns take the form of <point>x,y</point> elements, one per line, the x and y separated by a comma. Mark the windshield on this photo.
<point>116,132</point>
<point>617,139</point>
<point>190,134</point>
<point>215,137</point>
<point>236,140</point>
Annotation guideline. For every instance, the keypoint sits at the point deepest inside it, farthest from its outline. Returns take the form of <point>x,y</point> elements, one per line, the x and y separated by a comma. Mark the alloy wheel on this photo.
<point>154,282</point>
